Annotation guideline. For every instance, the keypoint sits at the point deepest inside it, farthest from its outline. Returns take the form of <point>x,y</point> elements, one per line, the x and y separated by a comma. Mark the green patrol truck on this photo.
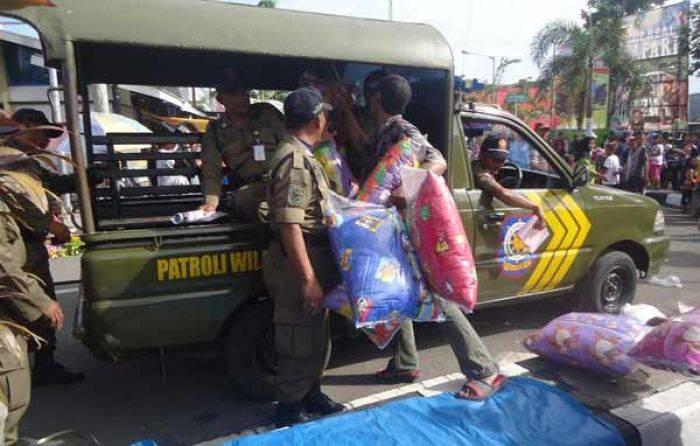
<point>149,284</point>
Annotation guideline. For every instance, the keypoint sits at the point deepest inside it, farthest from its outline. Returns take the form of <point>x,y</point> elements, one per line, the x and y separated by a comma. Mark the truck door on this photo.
<point>505,267</point>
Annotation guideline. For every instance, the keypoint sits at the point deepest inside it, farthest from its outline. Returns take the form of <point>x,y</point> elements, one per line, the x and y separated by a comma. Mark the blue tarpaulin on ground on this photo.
<point>524,412</point>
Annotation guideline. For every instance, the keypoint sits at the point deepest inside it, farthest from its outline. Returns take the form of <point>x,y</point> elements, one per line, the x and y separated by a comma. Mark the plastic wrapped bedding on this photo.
<point>673,345</point>
<point>437,234</point>
<point>341,179</point>
<point>366,240</point>
<point>386,176</point>
<point>597,342</point>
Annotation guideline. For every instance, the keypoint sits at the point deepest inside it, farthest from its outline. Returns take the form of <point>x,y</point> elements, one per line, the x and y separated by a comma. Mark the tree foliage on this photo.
<point>691,38</point>
<point>601,37</point>
<point>268,3</point>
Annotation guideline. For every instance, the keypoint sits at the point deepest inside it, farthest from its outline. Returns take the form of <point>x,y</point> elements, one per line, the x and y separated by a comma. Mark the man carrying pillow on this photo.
<point>387,103</point>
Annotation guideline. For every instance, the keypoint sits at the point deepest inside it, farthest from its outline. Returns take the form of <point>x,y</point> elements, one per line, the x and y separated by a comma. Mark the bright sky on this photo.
<point>500,28</point>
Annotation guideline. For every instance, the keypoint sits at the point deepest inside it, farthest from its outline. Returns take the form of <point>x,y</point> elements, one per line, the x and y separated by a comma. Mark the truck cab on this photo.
<point>147,283</point>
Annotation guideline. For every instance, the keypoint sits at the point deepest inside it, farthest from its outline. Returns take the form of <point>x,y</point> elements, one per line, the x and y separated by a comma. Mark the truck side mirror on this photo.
<point>581,176</point>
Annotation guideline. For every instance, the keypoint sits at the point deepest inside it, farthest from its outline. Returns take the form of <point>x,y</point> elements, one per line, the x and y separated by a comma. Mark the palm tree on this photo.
<point>573,65</point>
<point>604,41</point>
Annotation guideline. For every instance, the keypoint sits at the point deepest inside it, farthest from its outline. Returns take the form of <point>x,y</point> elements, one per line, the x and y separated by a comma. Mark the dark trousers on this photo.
<point>634,184</point>
<point>38,265</point>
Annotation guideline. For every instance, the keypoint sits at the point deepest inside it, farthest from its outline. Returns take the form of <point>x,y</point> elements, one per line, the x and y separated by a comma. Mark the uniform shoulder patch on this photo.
<point>295,195</point>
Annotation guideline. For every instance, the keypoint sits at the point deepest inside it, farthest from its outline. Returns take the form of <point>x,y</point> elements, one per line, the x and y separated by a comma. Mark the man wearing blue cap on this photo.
<point>299,265</point>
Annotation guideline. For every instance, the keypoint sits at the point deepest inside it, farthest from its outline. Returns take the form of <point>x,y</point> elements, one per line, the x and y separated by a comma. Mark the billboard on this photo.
<point>653,39</point>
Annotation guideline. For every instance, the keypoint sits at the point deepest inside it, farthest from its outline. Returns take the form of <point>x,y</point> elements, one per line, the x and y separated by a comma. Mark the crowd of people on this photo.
<point>635,161</point>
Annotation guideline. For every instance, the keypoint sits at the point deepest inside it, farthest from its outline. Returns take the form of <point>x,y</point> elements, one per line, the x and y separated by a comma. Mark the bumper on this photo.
<point>657,249</point>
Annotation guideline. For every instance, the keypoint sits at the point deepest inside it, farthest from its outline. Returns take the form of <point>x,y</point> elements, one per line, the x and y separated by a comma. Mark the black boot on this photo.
<point>318,403</point>
<point>288,414</point>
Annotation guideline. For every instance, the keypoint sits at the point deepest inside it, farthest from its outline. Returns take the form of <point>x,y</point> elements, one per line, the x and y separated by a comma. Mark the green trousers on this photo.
<point>302,340</point>
<point>474,359</point>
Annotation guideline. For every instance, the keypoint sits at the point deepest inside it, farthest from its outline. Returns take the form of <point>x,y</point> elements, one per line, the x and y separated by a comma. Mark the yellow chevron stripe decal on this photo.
<point>569,226</point>
<point>563,229</point>
<point>554,225</point>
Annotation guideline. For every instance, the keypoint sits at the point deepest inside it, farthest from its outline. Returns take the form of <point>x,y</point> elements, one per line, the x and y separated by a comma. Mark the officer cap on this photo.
<point>304,104</point>
<point>495,147</point>
<point>30,117</point>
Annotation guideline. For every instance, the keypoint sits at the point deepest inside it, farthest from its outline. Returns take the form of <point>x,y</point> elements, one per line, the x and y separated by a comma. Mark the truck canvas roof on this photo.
<point>222,27</point>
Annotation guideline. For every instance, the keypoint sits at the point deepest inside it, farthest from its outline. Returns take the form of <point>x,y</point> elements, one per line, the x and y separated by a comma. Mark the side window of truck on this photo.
<point>537,171</point>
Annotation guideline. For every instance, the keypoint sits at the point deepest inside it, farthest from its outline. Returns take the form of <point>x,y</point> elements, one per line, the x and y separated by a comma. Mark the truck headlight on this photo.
<point>659,222</point>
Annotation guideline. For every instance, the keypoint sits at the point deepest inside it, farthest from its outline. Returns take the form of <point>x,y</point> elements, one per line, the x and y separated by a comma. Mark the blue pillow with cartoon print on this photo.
<point>368,247</point>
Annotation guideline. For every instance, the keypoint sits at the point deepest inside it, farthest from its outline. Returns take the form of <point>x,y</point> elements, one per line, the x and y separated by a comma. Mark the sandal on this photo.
<point>395,376</point>
<point>479,390</point>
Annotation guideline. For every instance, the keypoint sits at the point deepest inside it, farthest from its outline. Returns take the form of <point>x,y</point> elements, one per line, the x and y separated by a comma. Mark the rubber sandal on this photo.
<point>478,390</point>
<point>394,375</point>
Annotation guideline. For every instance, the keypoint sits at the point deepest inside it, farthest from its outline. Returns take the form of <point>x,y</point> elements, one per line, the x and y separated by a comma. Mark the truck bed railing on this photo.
<point>121,192</point>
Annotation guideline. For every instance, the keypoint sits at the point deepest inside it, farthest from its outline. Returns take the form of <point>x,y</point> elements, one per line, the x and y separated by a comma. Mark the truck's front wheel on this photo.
<point>251,360</point>
<point>610,283</point>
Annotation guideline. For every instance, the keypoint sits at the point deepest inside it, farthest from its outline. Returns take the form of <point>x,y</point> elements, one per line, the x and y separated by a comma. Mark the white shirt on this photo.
<point>612,172</point>
<point>170,180</point>
<point>656,155</point>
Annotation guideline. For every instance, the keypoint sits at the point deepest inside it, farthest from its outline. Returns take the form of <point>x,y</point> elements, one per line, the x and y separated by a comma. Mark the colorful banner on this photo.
<point>654,39</point>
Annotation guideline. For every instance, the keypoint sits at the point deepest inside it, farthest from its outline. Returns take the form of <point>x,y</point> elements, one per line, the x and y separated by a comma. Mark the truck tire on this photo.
<point>610,283</point>
<point>249,352</point>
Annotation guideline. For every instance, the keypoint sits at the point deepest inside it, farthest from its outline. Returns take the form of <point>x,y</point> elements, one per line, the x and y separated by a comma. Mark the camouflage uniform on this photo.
<point>234,146</point>
<point>22,298</point>
<point>34,230</point>
<point>297,193</point>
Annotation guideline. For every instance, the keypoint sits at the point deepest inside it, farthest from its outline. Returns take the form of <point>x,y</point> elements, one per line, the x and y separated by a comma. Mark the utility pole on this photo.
<point>493,77</point>
<point>493,71</point>
<point>553,87</point>
<point>391,10</point>
<point>589,87</point>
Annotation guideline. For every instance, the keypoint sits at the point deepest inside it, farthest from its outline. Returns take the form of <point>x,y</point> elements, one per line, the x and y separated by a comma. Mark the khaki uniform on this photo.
<point>297,193</point>
<point>30,177</point>
<point>22,300</point>
<point>235,147</point>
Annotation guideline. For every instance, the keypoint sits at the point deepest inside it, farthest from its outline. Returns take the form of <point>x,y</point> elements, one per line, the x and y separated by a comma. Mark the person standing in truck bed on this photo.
<point>244,139</point>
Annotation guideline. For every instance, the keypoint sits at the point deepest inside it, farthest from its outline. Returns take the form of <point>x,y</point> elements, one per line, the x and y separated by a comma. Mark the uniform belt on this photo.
<point>311,240</point>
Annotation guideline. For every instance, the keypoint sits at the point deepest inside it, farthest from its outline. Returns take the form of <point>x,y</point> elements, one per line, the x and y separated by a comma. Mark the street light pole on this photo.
<point>493,72</point>
<point>391,10</point>
<point>493,78</point>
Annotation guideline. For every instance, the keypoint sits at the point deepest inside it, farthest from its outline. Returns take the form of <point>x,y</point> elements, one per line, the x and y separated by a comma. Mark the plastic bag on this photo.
<point>341,179</point>
<point>597,342</point>
<point>436,232</point>
<point>386,175</point>
<point>642,313</point>
<point>673,345</point>
<point>366,240</point>
<point>196,216</point>
<point>380,334</point>
<point>428,309</point>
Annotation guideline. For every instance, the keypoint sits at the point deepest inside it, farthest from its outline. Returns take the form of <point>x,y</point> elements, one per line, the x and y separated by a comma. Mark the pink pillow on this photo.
<point>674,345</point>
<point>436,231</point>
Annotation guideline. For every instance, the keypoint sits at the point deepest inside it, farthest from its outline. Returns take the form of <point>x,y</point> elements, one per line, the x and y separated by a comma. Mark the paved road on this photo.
<point>123,402</point>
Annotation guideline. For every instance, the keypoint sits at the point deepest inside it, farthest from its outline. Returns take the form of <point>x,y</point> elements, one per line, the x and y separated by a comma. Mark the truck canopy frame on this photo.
<point>222,27</point>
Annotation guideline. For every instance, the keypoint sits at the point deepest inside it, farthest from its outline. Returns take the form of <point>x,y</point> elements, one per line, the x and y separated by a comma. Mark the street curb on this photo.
<point>671,417</point>
<point>665,198</point>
